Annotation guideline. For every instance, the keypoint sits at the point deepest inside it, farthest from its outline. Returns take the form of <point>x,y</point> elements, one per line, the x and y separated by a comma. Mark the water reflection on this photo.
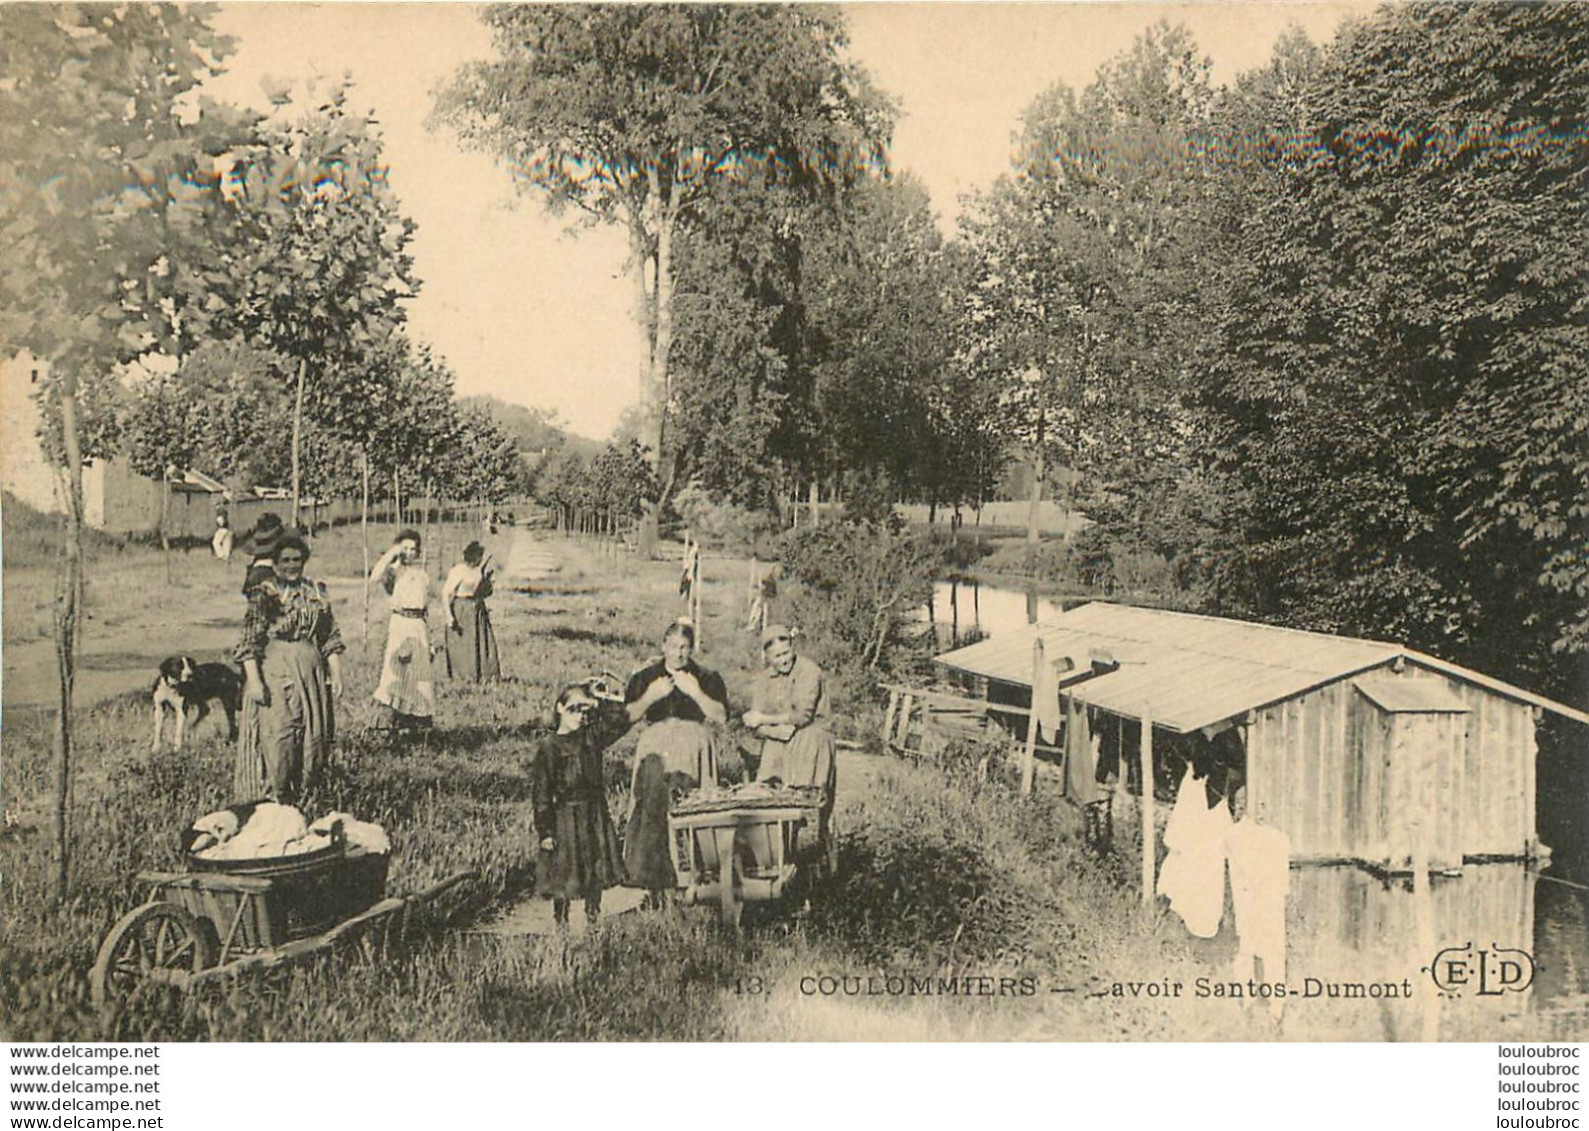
<point>1346,924</point>
<point>963,612</point>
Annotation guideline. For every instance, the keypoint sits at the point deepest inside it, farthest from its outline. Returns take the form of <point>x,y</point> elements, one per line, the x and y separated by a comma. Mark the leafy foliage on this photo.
<point>633,114</point>
<point>107,187</point>
<point>1398,372</point>
<point>857,590</point>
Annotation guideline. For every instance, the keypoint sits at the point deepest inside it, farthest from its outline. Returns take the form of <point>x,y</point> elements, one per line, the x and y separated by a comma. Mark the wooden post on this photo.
<point>1149,834</point>
<point>364,541</point>
<point>1029,755</point>
<point>695,596</point>
<point>297,438</point>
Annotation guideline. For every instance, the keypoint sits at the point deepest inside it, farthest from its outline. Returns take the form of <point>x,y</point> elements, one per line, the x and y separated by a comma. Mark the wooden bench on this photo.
<point>921,722</point>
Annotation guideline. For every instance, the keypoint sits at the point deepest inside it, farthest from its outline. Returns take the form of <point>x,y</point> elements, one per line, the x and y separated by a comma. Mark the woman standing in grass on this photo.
<point>292,667</point>
<point>682,704</point>
<point>469,643</point>
<point>405,697</point>
<point>579,857</point>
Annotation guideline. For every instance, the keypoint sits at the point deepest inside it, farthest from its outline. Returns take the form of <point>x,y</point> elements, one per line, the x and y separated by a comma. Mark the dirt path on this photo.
<point>116,659</point>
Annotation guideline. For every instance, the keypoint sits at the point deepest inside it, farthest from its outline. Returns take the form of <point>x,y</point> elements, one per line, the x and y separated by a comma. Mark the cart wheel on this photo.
<point>156,936</point>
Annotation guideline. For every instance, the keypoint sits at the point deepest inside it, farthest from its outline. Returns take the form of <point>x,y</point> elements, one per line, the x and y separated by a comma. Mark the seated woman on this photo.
<point>789,714</point>
<point>682,705</point>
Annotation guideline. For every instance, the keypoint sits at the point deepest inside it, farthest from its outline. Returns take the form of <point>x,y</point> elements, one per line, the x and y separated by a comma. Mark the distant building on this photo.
<point>115,498</point>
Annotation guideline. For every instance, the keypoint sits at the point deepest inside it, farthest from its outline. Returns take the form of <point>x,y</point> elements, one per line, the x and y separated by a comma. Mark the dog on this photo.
<point>184,684</point>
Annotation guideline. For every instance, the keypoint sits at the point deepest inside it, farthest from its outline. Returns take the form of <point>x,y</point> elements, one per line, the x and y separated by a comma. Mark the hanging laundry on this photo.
<point>692,565</point>
<point>1081,758</point>
<point>1260,876</point>
<point>1193,875</point>
<point>1046,714</point>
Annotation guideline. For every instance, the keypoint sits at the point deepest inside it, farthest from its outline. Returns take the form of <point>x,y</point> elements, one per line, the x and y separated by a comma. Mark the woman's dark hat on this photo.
<point>263,538</point>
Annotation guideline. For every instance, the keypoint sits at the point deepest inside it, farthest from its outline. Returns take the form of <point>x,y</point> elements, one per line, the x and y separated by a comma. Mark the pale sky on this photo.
<point>526,311</point>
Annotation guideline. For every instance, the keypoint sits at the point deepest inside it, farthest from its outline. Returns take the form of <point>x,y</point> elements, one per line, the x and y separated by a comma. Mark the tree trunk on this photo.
<point>424,518</point>
<point>364,541</point>
<point>165,522</point>
<point>297,439</point>
<point>812,496</point>
<point>1038,471</point>
<point>68,606</point>
<point>645,318</point>
<point>397,498</point>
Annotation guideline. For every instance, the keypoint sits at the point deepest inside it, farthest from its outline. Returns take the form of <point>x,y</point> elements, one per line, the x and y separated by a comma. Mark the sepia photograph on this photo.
<point>734,522</point>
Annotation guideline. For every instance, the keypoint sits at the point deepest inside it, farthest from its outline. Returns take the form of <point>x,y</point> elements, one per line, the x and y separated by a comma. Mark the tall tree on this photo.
<point>102,148</point>
<point>1399,371</point>
<point>630,113</point>
<point>1087,258</point>
<point>875,277</point>
<point>320,264</point>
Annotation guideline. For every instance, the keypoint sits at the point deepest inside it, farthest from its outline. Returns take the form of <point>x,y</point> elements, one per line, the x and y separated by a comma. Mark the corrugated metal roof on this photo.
<point>1410,696</point>
<point>1192,671</point>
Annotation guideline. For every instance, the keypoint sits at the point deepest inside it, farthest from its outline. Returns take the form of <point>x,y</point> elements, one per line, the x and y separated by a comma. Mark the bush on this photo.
<point>724,524</point>
<point>855,590</point>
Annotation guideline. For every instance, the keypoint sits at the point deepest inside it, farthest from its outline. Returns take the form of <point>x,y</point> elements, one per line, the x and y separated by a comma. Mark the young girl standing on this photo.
<point>579,853</point>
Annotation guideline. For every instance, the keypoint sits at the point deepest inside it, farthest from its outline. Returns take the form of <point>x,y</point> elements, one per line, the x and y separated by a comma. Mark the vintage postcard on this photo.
<point>1045,522</point>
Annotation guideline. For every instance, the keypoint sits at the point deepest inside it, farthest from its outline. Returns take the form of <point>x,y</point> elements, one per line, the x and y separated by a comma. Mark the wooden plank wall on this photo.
<point>1322,768</point>
<point>1493,768</point>
<point>1302,772</point>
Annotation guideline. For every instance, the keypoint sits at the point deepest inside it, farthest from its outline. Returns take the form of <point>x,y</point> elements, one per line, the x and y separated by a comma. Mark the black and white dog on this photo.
<point>182,684</point>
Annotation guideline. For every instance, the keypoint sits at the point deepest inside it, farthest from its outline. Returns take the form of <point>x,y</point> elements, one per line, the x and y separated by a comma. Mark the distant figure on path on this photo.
<point>405,697</point>
<point>469,644</point>
<point>221,543</point>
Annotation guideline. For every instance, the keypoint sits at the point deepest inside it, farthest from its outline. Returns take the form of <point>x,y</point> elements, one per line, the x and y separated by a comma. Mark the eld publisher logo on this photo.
<point>1486,973</point>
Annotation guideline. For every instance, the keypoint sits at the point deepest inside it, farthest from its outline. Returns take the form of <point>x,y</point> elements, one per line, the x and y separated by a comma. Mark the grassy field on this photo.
<point>946,878</point>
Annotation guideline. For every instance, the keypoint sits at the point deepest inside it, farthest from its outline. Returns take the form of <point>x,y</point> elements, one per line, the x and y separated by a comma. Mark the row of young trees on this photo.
<point>259,259</point>
<point>224,288</point>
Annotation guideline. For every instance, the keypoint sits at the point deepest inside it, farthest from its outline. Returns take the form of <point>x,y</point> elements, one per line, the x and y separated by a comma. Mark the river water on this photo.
<point>1345,919</point>
<point>964,612</point>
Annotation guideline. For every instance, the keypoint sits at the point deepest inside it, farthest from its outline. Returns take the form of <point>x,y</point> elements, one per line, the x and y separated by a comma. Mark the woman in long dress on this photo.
<point>469,644</point>
<point>789,714</point>
<point>683,706</point>
<point>580,856</point>
<point>405,696</point>
<point>292,668</point>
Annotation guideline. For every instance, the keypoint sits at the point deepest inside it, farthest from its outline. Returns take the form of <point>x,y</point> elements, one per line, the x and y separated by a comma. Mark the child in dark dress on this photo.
<point>579,854</point>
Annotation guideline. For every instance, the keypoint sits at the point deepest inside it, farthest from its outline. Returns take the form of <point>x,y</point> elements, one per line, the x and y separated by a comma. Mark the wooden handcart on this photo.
<point>750,844</point>
<point>221,918</point>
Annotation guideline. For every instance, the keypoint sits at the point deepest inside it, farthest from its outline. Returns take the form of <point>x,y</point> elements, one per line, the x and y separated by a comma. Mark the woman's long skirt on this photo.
<point>284,747</point>
<point>407,685</point>
<point>587,859</point>
<point>672,757</point>
<point>471,648</point>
